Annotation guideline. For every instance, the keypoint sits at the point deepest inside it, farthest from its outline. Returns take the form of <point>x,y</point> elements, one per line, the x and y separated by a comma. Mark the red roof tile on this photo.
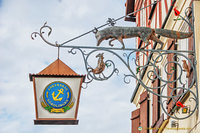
<point>57,68</point>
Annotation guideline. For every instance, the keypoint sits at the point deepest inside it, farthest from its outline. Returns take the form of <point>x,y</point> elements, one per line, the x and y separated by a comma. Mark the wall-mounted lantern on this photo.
<point>57,91</point>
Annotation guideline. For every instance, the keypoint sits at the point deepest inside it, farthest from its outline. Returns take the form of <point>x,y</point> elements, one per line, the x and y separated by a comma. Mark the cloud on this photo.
<point>104,106</point>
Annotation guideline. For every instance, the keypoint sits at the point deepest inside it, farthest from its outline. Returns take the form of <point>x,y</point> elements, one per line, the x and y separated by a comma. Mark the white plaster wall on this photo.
<point>192,121</point>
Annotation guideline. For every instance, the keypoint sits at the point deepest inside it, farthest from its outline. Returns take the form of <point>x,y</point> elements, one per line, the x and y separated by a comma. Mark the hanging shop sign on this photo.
<point>57,91</point>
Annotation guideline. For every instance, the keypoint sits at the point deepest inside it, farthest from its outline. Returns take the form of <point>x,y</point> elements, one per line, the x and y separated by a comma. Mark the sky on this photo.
<point>104,106</point>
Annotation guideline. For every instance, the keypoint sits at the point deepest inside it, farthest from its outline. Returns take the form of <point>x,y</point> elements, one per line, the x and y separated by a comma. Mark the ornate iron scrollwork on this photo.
<point>105,68</point>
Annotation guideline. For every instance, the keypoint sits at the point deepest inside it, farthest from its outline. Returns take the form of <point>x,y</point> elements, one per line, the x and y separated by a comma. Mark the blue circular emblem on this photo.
<point>57,95</point>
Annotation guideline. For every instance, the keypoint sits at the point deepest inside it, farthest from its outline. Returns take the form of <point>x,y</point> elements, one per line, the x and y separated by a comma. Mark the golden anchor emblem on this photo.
<point>55,98</point>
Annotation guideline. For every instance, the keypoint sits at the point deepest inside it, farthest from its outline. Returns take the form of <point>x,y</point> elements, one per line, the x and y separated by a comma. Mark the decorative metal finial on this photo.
<point>111,21</point>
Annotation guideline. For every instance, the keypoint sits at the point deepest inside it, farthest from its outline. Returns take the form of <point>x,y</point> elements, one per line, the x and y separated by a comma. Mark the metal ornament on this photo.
<point>106,67</point>
<point>186,68</point>
<point>100,66</point>
<point>145,34</point>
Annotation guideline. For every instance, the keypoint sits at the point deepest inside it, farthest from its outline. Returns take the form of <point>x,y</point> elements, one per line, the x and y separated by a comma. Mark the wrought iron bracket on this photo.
<point>106,67</point>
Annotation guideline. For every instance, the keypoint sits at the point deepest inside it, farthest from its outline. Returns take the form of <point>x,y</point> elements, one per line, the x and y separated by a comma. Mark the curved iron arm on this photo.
<point>130,59</point>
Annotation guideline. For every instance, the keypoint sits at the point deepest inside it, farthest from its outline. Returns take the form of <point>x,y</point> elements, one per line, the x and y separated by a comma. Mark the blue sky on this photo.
<point>104,106</point>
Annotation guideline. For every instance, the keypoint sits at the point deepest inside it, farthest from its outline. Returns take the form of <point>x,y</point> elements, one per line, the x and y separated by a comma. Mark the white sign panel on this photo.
<point>57,97</point>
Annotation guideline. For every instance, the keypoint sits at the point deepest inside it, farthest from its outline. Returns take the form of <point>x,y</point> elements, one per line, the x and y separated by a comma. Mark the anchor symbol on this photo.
<point>55,98</point>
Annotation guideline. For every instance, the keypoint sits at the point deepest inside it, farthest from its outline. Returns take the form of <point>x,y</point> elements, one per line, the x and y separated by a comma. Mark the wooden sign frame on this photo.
<point>56,121</point>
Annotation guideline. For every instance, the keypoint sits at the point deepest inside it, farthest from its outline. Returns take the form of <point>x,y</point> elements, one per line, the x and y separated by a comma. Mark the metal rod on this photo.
<point>115,20</point>
<point>58,52</point>
<point>127,49</point>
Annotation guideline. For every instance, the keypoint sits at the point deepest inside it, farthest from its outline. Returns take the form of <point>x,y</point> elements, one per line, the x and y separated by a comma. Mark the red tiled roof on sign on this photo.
<point>58,68</point>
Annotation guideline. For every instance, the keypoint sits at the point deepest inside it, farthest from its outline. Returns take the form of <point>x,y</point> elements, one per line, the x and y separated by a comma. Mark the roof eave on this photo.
<point>55,75</point>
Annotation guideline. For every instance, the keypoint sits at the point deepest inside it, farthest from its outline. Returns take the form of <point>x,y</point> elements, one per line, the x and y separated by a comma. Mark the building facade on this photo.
<point>149,117</point>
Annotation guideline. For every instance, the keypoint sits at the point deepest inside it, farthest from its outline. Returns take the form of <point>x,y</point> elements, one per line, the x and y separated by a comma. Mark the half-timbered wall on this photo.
<point>154,19</point>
